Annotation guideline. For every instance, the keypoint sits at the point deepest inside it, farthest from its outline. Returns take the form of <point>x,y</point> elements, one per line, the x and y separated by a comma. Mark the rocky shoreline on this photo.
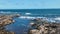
<point>6,20</point>
<point>39,26</point>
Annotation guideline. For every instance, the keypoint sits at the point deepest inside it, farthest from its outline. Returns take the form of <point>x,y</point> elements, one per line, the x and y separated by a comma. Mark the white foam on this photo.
<point>28,17</point>
<point>50,20</point>
<point>27,13</point>
<point>44,18</point>
<point>31,23</point>
<point>7,12</point>
<point>58,18</point>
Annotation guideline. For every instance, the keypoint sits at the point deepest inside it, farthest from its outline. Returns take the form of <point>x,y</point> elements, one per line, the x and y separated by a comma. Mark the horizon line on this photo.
<point>42,8</point>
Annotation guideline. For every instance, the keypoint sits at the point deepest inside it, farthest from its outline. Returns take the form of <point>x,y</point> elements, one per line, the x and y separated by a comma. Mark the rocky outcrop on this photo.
<point>45,27</point>
<point>6,20</point>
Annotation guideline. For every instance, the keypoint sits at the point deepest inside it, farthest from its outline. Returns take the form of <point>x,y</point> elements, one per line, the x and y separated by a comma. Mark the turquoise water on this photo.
<point>21,24</point>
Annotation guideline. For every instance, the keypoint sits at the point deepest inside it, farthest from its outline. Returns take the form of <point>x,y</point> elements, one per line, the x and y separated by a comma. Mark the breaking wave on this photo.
<point>7,12</point>
<point>44,18</point>
<point>58,18</point>
<point>27,13</point>
<point>29,17</point>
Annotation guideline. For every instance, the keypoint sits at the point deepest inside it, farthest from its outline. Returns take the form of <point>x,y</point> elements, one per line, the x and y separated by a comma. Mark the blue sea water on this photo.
<point>21,24</point>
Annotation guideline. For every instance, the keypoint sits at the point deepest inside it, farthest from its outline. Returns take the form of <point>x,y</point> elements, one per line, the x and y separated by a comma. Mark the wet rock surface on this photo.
<point>40,26</point>
<point>6,20</point>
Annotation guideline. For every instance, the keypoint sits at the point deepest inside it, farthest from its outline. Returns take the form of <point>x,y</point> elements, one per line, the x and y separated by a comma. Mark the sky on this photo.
<point>29,4</point>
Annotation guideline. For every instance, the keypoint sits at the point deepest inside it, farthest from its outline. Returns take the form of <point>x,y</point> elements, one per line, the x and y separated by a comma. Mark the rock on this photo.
<point>6,20</point>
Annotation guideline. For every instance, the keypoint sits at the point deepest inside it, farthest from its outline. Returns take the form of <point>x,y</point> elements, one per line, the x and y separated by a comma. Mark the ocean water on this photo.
<point>21,24</point>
